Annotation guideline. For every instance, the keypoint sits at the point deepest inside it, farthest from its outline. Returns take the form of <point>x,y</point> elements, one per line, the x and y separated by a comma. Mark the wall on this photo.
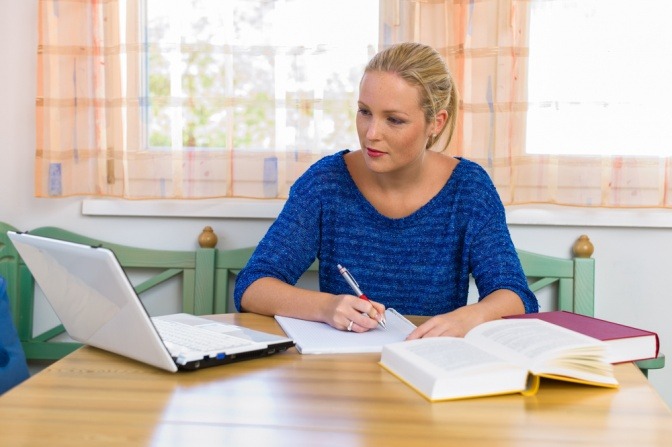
<point>632,262</point>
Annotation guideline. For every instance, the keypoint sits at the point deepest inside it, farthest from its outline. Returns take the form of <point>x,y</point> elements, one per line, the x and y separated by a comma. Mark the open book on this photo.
<point>498,357</point>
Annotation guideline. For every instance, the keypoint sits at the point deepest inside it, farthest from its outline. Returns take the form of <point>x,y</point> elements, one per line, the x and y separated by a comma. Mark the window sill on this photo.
<point>551,215</point>
<point>219,208</point>
<point>554,215</point>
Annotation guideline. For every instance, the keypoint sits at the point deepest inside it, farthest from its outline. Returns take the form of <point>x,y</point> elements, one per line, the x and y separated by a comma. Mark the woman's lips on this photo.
<point>374,153</point>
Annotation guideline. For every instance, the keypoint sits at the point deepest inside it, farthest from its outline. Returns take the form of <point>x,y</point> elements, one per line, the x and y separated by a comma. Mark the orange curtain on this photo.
<point>485,43</point>
<point>83,104</point>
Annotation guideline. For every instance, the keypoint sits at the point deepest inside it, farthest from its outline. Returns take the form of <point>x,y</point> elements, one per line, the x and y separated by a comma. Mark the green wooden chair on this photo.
<point>195,269</point>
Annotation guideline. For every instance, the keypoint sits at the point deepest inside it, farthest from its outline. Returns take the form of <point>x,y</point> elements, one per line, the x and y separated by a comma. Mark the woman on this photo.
<point>409,223</point>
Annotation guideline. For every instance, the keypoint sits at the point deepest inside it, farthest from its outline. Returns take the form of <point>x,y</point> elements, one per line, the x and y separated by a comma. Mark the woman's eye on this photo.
<point>394,120</point>
<point>363,112</point>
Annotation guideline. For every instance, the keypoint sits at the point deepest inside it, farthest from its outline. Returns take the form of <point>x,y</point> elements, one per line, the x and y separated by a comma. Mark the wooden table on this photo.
<point>92,398</point>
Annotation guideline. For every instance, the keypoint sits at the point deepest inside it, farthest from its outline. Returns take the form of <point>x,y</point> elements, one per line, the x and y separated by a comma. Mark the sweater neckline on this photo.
<point>417,214</point>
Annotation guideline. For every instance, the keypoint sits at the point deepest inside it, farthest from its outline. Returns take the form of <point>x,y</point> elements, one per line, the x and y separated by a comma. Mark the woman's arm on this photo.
<point>270,296</point>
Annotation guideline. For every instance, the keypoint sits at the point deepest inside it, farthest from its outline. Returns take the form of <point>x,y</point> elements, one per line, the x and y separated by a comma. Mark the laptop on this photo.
<point>94,299</point>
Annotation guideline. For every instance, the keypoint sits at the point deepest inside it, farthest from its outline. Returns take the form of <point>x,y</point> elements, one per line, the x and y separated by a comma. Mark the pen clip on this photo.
<point>352,278</point>
<point>349,279</point>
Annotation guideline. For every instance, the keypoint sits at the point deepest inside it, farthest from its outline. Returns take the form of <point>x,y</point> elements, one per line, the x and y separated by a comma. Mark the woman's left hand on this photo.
<point>455,324</point>
<point>460,321</point>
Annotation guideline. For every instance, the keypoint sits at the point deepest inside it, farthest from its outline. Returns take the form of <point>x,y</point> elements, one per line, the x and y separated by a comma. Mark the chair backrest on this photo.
<point>195,269</point>
<point>574,277</point>
<point>229,264</point>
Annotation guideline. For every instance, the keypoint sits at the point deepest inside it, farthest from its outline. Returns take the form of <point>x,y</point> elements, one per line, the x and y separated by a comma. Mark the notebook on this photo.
<point>94,299</point>
<point>314,337</point>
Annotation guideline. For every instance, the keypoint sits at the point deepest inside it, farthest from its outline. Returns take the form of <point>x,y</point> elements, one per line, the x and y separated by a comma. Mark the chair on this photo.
<point>195,269</point>
<point>13,366</point>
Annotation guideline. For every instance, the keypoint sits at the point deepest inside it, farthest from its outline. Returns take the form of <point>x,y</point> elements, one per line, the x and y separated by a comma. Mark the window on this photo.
<point>599,78</point>
<point>242,75</point>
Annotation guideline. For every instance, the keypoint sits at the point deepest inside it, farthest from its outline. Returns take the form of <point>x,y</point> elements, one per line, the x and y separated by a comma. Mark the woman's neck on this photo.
<point>400,193</point>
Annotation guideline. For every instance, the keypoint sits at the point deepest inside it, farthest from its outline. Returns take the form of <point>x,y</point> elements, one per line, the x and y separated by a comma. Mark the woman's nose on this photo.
<point>372,131</point>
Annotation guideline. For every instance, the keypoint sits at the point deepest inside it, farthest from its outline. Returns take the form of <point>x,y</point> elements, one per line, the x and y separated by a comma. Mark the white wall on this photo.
<point>632,263</point>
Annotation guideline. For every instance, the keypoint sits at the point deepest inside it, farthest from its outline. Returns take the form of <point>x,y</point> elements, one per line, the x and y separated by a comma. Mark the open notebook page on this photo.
<point>312,337</point>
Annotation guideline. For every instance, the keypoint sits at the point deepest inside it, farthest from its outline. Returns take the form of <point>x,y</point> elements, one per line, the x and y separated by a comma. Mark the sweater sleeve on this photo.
<point>494,262</point>
<point>291,244</point>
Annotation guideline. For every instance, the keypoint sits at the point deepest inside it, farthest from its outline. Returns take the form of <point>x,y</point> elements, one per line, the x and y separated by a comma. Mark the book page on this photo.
<point>531,340</point>
<point>314,337</point>
<point>451,354</point>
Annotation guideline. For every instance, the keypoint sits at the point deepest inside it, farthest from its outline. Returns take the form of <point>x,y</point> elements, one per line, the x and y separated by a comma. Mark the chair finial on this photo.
<point>583,248</point>
<point>207,238</point>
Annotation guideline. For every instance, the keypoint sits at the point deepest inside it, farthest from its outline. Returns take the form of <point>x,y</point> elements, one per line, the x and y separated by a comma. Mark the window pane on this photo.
<point>599,79</point>
<point>256,74</point>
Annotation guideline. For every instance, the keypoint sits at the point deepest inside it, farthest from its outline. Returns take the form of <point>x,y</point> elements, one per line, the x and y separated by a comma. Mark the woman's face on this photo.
<point>390,122</point>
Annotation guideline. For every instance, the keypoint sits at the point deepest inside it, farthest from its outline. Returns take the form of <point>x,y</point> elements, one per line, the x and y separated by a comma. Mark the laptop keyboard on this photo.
<point>193,338</point>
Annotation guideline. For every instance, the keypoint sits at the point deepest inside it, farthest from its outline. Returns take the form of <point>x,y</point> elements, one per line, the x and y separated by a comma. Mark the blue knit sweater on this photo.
<point>419,264</point>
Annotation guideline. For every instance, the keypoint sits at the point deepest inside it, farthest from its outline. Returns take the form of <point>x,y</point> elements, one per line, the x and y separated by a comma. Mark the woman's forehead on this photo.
<point>388,89</point>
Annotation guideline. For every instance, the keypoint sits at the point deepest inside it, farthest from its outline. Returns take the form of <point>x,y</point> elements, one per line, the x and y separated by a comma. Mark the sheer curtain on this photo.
<point>87,109</point>
<point>485,43</point>
<point>231,121</point>
<point>93,137</point>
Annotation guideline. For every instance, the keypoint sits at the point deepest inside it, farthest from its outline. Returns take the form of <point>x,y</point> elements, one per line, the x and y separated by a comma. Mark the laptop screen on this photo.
<point>91,295</point>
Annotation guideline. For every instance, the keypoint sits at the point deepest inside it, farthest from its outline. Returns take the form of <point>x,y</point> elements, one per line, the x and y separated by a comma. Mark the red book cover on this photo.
<point>624,343</point>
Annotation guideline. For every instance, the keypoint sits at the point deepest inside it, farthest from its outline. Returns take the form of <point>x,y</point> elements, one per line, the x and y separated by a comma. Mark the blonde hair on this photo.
<point>421,65</point>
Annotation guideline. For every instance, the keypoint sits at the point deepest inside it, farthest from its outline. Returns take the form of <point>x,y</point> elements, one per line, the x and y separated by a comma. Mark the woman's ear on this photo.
<point>440,121</point>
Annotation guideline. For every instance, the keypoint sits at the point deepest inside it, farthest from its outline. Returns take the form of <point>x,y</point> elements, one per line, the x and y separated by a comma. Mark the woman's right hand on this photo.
<point>350,313</point>
<point>270,296</point>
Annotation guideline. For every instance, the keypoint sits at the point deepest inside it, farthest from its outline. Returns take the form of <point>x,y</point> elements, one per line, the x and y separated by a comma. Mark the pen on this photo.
<point>355,287</point>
